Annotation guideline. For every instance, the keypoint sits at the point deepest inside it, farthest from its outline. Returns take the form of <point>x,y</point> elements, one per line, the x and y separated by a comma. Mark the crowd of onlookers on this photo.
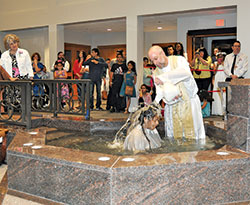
<point>207,72</point>
<point>114,80</point>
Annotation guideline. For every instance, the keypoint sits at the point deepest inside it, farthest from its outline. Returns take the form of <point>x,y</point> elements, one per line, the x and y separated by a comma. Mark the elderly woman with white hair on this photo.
<point>14,60</point>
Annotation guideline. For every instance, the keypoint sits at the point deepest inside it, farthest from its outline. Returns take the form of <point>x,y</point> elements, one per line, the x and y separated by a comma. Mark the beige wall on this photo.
<point>159,37</point>
<point>35,13</point>
<point>17,14</point>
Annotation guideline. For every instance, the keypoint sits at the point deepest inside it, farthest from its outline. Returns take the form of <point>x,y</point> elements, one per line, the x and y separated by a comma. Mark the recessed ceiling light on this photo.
<point>109,29</point>
<point>159,27</point>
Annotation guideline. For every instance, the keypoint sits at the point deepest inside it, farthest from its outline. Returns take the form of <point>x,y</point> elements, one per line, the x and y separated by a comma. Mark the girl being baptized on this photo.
<point>142,134</point>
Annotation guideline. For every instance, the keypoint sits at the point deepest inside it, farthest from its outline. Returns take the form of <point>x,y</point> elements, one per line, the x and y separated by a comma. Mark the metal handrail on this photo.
<point>59,96</point>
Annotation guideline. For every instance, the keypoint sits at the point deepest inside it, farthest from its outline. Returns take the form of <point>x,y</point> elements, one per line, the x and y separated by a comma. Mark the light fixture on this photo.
<point>128,159</point>
<point>104,158</point>
<point>222,153</point>
<point>109,29</point>
<point>159,25</point>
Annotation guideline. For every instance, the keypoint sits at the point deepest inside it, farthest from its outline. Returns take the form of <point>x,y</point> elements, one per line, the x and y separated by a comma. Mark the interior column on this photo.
<point>55,42</point>
<point>243,30</point>
<point>135,47</point>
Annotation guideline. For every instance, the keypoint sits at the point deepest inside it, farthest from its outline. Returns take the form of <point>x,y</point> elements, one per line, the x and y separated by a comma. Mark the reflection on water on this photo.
<point>103,144</point>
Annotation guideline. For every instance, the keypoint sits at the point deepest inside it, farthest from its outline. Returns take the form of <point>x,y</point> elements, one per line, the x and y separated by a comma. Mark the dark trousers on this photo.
<point>119,103</point>
<point>98,93</point>
<point>203,83</point>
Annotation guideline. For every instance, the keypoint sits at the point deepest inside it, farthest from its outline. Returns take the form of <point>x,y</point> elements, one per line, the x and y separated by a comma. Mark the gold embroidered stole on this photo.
<point>181,111</point>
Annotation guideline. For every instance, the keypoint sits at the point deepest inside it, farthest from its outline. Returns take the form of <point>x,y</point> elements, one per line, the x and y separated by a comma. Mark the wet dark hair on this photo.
<point>33,56</point>
<point>134,66</point>
<point>148,114</point>
<point>203,49</point>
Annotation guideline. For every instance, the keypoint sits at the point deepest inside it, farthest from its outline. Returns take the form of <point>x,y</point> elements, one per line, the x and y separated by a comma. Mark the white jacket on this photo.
<point>241,65</point>
<point>23,62</point>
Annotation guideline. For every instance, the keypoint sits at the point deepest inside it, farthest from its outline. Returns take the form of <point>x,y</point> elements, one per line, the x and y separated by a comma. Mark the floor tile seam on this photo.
<point>72,164</point>
<point>115,162</point>
<point>111,180</point>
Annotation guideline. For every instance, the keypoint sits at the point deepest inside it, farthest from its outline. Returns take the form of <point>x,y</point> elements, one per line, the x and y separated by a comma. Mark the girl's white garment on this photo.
<point>219,102</point>
<point>137,141</point>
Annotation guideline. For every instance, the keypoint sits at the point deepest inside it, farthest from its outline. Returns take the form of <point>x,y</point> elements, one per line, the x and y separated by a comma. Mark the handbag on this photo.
<point>104,95</point>
<point>129,90</point>
<point>198,72</point>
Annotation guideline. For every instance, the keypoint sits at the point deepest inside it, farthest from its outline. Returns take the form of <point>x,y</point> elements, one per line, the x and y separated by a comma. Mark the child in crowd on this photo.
<point>128,86</point>
<point>219,102</point>
<point>144,96</point>
<point>60,73</point>
<point>205,99</point>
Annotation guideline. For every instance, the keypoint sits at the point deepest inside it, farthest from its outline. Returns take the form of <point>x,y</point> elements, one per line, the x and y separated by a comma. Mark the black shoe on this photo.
<point>112,109</point>
<point>99,109</point>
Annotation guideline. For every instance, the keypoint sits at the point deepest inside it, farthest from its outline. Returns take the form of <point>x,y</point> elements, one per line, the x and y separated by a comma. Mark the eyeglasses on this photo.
<point>12,43</point>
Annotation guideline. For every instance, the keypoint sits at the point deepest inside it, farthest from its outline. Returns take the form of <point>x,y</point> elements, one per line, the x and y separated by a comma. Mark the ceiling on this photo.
<point>167,21</point>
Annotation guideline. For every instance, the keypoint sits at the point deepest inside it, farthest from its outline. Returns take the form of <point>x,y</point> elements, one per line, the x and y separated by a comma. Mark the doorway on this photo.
<point>109,51</point>
<point>210,38</point>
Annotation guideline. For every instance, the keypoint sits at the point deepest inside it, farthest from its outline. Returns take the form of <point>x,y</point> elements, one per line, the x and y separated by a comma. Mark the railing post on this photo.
<point>88,101</point>
<point>28,104</point>
<point>23,91</point>
<point>83,85</point>
<point>54,98</point>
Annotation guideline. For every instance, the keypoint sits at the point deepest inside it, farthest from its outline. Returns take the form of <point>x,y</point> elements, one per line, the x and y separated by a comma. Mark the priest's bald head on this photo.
<point>157,56</point>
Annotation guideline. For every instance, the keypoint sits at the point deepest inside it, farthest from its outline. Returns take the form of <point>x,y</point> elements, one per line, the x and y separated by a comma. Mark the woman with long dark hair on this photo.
<point>129,82</point>
<point>77,68</point>
<point>179,50</point>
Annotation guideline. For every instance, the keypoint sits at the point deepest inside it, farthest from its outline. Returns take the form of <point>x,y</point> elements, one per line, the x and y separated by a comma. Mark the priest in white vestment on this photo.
<point>176,86</point>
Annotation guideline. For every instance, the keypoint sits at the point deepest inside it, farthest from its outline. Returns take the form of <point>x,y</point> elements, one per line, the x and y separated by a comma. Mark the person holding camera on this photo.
<point>202,62</point>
